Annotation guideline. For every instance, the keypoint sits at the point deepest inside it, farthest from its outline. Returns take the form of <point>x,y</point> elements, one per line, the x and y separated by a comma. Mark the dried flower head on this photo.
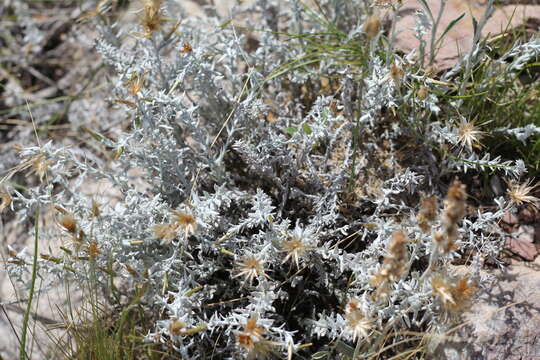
<point>134,84</point>
<point>177,327</point>
<point>454,211</point>
<point>151,18</point>
<point>396,73</point>
<point>423,92</point>
<point>521,193</point>
<point>68,222</point>
<point>358,323</point>
<point>442,289</point>
<point>372,25</point>
<point>165,232</point>
<point>101,8</point>
<point>253,341</point>
<point>456,198</point>
<point>250,268</point>
<point>397,250</point>
<point>39,164</point>
<point>185,222</point>
<point>454,294</point>
<point>469,134</point>
<point>186,48</point>
<point>394,264</point>
<point>295,249</point>
<point>180,222</point>
<point>93,250</point>
<point>5,201</point>
<point>427,214</point>
<point>251,333</point>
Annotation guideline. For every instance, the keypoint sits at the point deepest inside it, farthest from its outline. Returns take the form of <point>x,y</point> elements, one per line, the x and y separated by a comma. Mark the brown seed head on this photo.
<point>253,341</point>
<point>396,73</point>
<point>394,265</point>
<point>454,210</point>
<point>423,92</point>
<point>454,294</point>
<point>184,221</point>
<point>456,198</point>
<point>177,327</point>
<point>151,19</point>
<point>165,232</point>
<point>352,306</point>
<point>39,163</point>
<point>464,289</point>
<point>93,250</point>
<point>250,268</point>
<point>442,288</point>
<point>67,221</point>
<point>522,193</point>
<point>251,328</point>
<point>295,250</point>
<point>372,25</point>
<point>358,323</point>
<point>397,248</point>
<point>469,134</point>
<point>427,214</point>
<point>186,48</point>
<point>5,201</point>
<point>135,84</point>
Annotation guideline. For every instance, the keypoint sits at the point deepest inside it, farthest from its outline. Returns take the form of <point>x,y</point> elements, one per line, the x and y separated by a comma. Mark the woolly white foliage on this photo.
<point>208,150</point>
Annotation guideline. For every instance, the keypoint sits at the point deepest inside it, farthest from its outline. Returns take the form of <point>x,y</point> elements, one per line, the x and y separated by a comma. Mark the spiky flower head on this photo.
<point>297,247</point>
<point>38,163</point>
<point>454,294</point>
<point>181,222</point>
<point>359,324</point>
<point>252,340</point>
<point>185,222</point>
<point>68,222</point>
<point>521,193</point>
<point>469,134</point>
<point>135,83</point>
<point>250,267</point>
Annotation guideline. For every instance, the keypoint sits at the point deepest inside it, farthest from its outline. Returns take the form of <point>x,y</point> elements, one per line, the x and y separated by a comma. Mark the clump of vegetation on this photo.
<point>301,187</point>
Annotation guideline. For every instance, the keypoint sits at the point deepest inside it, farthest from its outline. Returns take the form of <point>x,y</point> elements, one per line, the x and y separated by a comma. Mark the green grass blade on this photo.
<point>448,28</point>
